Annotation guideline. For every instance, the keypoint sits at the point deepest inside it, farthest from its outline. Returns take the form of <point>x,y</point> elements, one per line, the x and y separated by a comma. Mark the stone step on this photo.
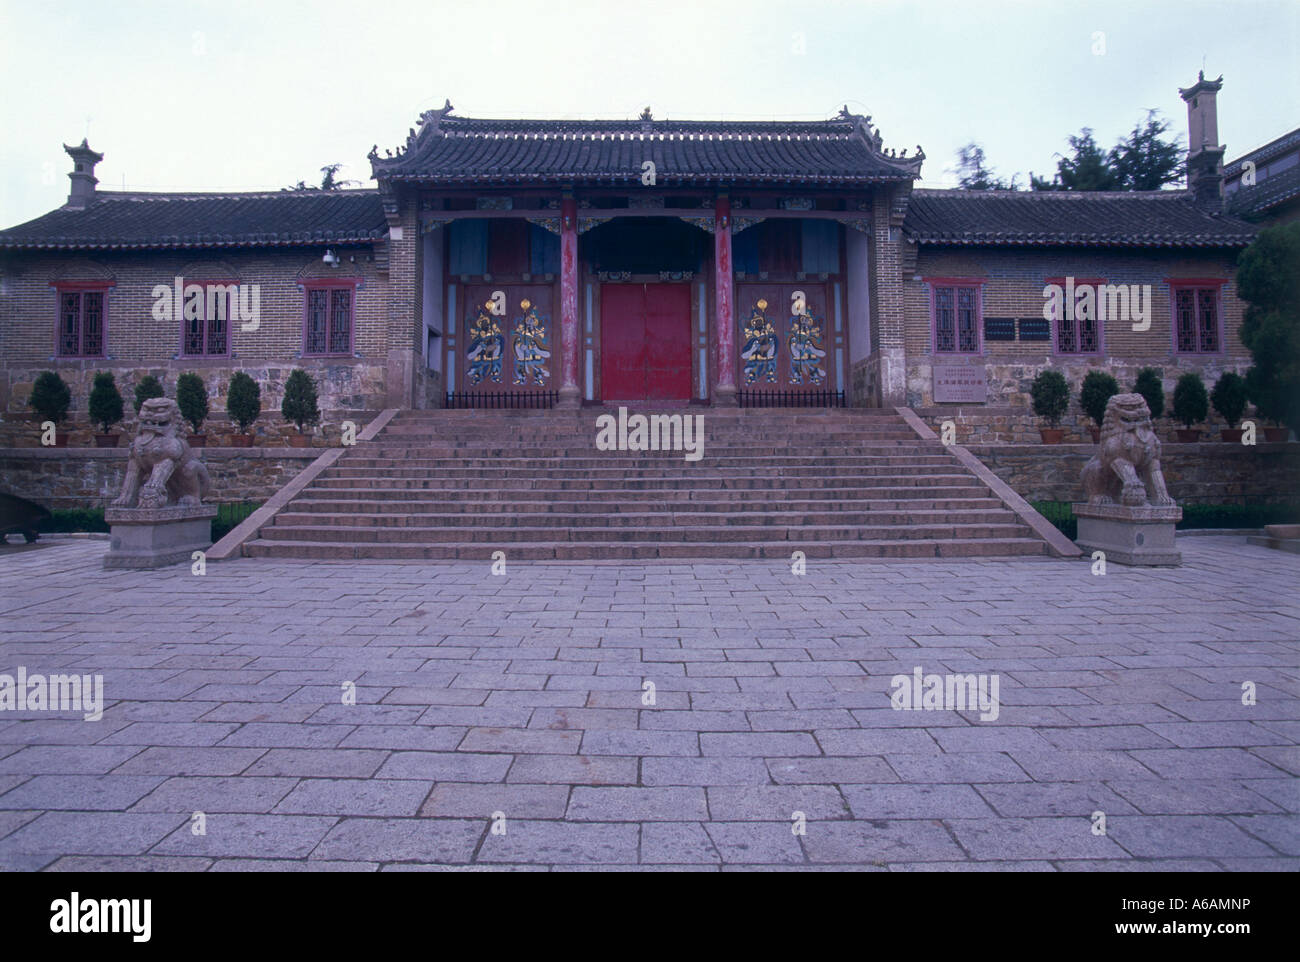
<point>345,507</point>
<point>460,485</point>
<point>676,494</point>
<point>672,471</point>
<point>656,461</point>
<point>646,551</point>
<point>801,534</point>
<point>632,519</point>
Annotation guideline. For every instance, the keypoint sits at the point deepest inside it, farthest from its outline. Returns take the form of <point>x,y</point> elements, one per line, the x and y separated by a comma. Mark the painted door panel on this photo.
<point>769,333</point>
<point>668,342</point>
<point>622,342</point>
<point>645,342</point>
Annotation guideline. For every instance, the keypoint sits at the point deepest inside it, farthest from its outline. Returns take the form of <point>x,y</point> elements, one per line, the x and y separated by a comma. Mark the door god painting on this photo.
<point>761,346</point>
<point>529,344</point>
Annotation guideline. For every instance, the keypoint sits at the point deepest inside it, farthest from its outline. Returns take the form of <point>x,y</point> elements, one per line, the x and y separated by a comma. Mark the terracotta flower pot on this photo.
<point>104,440</point>
<point>240,441</point>
<point>1052,435</point>
<point>1232,435</point>
<point>198,440</point>
<point>1188,435</point>
<point>1276,435</point>
<point>60,439</point>
<point>300,440</point>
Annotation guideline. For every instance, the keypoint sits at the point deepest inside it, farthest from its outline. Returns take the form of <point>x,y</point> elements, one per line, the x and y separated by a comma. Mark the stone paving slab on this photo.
<point>704,717</point>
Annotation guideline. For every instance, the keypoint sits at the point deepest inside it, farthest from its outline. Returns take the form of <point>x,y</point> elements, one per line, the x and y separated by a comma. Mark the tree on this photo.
<point>328,181</point>
<point>148,387</point>
<point>973,173</point>
<point>1145,160</point>
<point>1191,403</point>
<point>192,399</point>
<point>1051,396</point>
<point>1268,280</point>
<point>299,404</point>
<point>1098,388</point>
<point>1087,169</point>
<point>243,401</point>
<point>1229,397</point>
<point>1151,386</point>
<point>105,403</point>
<point>51,397</point>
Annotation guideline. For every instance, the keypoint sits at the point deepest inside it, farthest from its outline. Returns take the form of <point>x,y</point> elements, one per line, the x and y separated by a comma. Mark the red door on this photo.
<point>645,342</point>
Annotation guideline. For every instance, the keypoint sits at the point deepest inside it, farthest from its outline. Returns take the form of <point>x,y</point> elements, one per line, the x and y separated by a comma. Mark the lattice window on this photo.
<point>1075,334</point>
<point>81,324</point>
<point>208,334</point>
<point>340,322</point>
<point>317,305</point>
<point>1196,320</point>
<point>328,321</point>
<point>956,319</point>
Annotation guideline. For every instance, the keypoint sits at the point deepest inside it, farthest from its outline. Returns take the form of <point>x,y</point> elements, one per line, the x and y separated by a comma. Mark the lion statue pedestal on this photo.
<point>159,518</point>
<point>1129,514</point>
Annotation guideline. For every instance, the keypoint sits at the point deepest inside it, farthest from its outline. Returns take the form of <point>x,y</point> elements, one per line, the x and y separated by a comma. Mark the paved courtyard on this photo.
<point>499,719</point>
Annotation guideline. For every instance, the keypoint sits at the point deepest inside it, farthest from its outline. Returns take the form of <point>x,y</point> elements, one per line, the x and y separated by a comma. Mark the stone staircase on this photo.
<point>851,483</point>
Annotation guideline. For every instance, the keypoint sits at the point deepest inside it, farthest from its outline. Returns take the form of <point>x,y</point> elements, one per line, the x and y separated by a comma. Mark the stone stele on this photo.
<point>159,518</point>
<point>1129,514</point>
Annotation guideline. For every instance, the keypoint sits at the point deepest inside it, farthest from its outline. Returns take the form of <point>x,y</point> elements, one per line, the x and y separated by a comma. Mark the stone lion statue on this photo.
<point>1127,468</point>
<point>161,459</point>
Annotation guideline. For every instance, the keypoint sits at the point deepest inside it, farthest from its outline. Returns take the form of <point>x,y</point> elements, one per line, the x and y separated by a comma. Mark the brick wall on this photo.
<point>1014,288</point>
<point>137,343</point>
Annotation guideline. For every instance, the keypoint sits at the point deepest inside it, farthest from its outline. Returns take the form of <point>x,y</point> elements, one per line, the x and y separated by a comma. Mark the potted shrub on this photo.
<point>148,387</point>
<point>1098,387</point>
<point>105,408</point>
<point>1151,386</point>
<point>1051,396</point>
<point>243,405</point>
<point>192,399</point>
<point>1191,406</point>
<point>1264,394</point>
<point>1229,399</point>
<point>50,399</point>
<point>299,405</point>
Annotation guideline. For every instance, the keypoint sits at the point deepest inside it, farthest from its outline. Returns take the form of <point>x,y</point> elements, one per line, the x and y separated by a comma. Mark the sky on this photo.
<point>259,95</point>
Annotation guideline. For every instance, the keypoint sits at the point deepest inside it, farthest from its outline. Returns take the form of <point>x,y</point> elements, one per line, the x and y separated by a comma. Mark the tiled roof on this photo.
<point>1069,218</point>
<point>459,150</point>
<point>153,221</point>
<point>1273,191</point>
<point>1262,155</point>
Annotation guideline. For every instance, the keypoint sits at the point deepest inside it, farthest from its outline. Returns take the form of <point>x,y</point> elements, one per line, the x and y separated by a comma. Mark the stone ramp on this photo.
<point>444,485</point>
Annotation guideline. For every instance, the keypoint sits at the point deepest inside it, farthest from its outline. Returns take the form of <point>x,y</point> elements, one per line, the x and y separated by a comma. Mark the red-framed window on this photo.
<point>1197,315</point>
<point>1072,334</point>
<point>955,312</point>
<point>81,328</point>
<point>208,334</point>
<point>329,310</point>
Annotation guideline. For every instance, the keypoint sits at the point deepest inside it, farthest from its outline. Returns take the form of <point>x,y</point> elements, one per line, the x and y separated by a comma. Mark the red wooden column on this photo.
<point>569,336</point>
<point>724,392</point>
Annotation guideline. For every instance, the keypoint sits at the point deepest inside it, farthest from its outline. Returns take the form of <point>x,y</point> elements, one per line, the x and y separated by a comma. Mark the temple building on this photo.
<point>550,263</point>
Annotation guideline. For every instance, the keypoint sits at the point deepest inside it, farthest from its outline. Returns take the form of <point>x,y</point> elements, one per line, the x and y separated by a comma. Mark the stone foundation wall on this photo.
<point>1206,473</point>
<point>91,478</point>
<point>1014,424</point>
